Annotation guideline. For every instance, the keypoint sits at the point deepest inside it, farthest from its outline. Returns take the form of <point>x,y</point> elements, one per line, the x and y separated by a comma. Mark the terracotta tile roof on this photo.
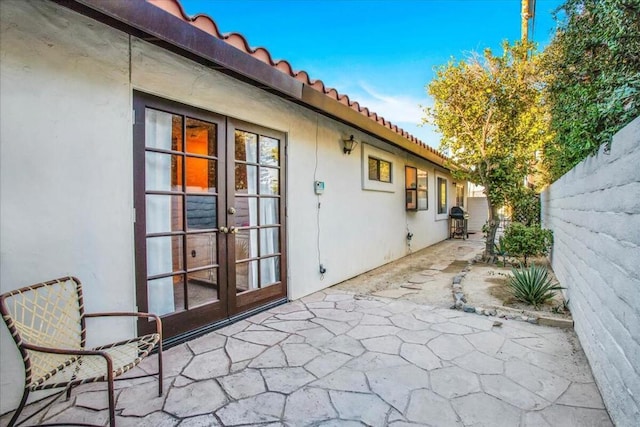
<point>207,24</point>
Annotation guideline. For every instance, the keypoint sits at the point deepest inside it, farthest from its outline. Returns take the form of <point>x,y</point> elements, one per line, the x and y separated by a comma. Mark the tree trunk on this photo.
<point>492,227</point>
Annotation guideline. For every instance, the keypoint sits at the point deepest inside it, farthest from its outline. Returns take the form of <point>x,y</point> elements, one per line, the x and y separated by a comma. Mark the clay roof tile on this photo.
<point>207,24</point>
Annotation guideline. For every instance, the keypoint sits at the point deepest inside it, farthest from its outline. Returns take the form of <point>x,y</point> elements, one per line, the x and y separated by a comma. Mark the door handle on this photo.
<point>233,230</point>
<point>224,230</point>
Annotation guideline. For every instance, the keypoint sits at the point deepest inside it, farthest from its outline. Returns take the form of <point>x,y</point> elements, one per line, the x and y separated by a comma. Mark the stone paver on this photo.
<point>195,399</point>
<point>394,293</point>
<point>448,346</point>
<point>259,409</point>
<point>243,384</point>
<point>307,405</point>
<point>394,385</point>
<point>208,365</point>
<point>388,345</point>
<point>585,395</point>
<point>453,382</point>
<point>350,405</point>
<point>341,359</point>
<point>427,407</point>
<point>419,279</point>
<point>510,392</point>
<point>480,363</point>
<point>484,410</point>
<point>420,356</point>
<point>286,380</point>
<point>344,379</point>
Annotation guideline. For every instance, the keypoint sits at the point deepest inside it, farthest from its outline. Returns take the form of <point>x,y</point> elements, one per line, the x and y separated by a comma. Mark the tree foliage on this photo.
<point>593,70</point>
<point>525,206</point>
<point>490,114</point>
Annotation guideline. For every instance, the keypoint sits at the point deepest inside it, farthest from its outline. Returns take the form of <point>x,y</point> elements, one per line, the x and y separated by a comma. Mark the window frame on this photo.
<point>369,151</point>
<point>378,170</point>
<point>460,195</point>
<point>413,193</point>
<point>441,210</point>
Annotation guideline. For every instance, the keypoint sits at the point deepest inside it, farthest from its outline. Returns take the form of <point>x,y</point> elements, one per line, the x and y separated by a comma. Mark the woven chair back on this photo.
<point>49,315</point>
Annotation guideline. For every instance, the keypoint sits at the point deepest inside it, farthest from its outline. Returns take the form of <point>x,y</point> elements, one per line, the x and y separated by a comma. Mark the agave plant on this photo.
<point>532,285</point>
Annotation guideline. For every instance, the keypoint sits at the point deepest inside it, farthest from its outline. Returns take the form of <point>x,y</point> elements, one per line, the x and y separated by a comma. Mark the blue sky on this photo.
<point>380,53</point>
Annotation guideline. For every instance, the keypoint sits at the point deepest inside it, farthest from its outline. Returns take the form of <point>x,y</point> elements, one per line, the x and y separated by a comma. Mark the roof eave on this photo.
<point>320,102</point>
<point>154,25</point>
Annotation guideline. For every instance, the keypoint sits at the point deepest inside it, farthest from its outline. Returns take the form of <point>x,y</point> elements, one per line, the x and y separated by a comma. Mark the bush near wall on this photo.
<point>592,69</point>
<point>524,241</point>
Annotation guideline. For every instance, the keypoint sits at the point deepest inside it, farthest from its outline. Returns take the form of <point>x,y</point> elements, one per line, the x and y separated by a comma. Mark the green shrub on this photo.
<point>532,285</point>
<point>522,241</point>
<point>525,206</point>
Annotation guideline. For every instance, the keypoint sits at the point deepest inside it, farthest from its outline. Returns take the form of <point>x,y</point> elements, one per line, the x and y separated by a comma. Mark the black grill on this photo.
<point>458,213</point>
<point>458,222</point>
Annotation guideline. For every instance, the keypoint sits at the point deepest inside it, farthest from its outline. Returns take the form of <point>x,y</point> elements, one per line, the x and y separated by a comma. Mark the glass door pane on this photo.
<point>181,205</point>
<point>256,204</point>
<point>179,166</point>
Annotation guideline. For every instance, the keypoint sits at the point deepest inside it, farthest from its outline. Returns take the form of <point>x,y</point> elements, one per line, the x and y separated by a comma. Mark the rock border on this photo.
<point>460,303</point>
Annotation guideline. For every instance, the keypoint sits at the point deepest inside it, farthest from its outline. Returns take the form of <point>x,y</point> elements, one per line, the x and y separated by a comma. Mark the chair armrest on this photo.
<point>130,314</point>
<point>66,351</point>
<point>116,314</point>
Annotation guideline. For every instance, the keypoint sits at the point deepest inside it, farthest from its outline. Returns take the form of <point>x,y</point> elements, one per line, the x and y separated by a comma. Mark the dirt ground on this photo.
<point>487,285</point>
<point>425,277</point>
<point>434,266</point>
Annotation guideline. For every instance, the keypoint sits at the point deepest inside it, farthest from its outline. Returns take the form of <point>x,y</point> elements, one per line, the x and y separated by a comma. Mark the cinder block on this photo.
<point>605,348</point>
<point>594,212</point>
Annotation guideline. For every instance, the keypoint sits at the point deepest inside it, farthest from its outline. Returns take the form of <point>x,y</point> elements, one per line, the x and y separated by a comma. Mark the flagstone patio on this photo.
<point>341,359</point>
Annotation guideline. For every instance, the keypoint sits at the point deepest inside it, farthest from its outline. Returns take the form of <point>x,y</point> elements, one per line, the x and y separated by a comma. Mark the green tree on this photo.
<point>593,70</point>
<point>490,114</point>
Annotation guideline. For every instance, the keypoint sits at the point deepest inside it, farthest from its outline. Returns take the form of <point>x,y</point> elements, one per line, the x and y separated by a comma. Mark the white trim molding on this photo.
<point>436,187</point>
<point>372,185</point>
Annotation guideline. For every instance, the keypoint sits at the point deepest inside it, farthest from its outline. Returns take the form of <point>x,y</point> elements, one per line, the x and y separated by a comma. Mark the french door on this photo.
<point>209,202</point>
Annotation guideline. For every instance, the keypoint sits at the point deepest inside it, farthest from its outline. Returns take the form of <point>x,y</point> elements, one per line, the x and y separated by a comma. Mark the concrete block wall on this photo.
<point>594,212</point>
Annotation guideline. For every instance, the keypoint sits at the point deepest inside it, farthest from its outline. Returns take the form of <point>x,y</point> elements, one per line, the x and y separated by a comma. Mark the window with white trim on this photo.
<point>377,169</point>
<point>441,202</point>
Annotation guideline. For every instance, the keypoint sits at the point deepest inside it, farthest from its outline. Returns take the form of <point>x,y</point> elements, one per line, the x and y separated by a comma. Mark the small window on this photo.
<point>460,196</point>
<point>442,195</point>
<point>416,189</point>
<point>423,190</point>
<point>379,170</point>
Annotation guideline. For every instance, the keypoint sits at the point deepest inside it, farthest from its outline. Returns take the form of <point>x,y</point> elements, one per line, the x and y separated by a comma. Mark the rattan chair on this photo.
<point>47,322</point>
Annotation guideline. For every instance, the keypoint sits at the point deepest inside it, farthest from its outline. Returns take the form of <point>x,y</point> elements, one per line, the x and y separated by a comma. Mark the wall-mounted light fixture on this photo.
<point>349,144</point>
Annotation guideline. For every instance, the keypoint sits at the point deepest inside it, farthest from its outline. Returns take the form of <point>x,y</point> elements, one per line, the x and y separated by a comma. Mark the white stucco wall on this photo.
<point>594,212</point>
<point>65,163</point>
<point>359,230</point>
<point>66,186</point>
<point>478,210</point>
